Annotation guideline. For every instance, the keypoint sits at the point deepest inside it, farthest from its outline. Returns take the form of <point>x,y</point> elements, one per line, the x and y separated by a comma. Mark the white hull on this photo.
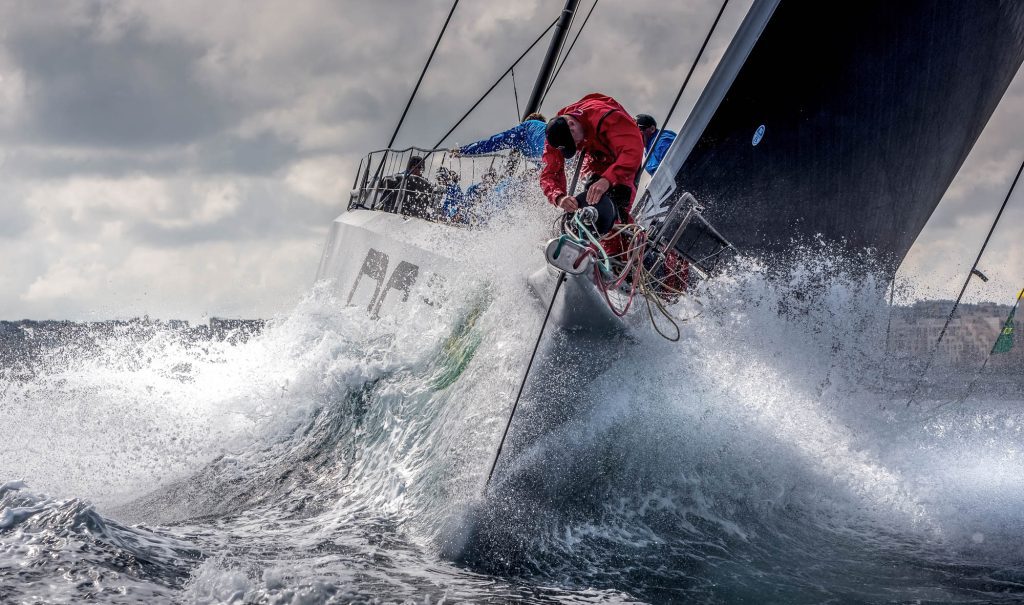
<point>373,264</point>
<point>370,264</point>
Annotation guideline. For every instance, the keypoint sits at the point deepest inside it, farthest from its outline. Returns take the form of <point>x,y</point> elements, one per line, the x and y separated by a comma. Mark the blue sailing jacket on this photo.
<point>528,138</point>
<point>664,142</point>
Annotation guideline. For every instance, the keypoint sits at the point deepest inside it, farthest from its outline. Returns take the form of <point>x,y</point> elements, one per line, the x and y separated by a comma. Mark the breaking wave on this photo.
<point>767,457</point>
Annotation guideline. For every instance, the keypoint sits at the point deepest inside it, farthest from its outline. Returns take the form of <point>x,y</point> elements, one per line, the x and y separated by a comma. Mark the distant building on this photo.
<point>969,337</point>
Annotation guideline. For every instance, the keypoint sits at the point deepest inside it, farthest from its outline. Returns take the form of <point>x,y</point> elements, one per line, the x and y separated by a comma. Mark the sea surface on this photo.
<point>770,456</point>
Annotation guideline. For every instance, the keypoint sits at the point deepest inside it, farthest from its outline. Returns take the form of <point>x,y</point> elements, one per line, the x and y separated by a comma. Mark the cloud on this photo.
<point>324,179</point>
<point>172,212</point>
<point>12,92</point>
<point>216,278</point>
<point>262,154</point>
<point>15,219</point>
<point>942,256</point>
<point>187,158</point>
<point>89,89</point>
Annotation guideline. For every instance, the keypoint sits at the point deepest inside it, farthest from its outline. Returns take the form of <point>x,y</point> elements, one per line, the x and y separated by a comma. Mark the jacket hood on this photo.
<point>589,110</point>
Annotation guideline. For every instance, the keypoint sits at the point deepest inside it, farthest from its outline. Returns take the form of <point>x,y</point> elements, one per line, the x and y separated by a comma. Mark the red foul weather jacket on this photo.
<point>611,141</point>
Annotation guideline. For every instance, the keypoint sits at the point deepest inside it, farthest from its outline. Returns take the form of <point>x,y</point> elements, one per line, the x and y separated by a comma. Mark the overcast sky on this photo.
<point>184,159</point>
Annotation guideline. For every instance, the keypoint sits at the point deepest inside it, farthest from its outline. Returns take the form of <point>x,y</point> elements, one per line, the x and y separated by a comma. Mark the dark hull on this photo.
<point>541,478</point>
<point>869,109</point>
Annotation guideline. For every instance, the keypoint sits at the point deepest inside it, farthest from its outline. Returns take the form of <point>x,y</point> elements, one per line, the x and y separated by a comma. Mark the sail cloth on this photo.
<point>846,120</point>
<point>1005,341</point>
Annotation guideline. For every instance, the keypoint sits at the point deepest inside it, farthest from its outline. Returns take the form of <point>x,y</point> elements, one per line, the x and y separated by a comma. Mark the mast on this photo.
<point>561,30</point>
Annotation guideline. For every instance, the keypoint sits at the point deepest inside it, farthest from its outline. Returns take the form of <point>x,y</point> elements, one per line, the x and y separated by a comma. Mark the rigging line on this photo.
<point>572,21</point>
<point>689,74</point>
<point>515,91</point>
<point>536,345</point>
<point>560,60</point>
<point>493,86</point>
<point>551,82</point>
<point>394,135</point>
<point>974,267</point>
<point>522,385</point>
<point>977,375</point>
<point>888,323</point>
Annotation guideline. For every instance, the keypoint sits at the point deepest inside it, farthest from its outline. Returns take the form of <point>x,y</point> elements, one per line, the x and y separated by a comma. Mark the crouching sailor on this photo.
<point>598,127</point>
<point>612,146</point>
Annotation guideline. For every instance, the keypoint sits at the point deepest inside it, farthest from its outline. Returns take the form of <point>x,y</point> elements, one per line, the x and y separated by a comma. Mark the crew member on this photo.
<point>649,130</point>
<point>599,127</point>
<point>526,138</point>
<point>410,188</point>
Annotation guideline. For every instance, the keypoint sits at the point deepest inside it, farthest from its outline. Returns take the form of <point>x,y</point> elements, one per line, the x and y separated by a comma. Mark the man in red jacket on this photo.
<point>607,134</point>
<point>600,128</point>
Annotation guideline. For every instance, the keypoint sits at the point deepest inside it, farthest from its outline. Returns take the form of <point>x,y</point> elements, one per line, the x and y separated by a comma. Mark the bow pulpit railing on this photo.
<point>684,230</point>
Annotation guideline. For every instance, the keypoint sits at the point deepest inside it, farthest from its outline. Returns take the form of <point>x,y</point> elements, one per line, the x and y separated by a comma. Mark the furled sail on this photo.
<point>845,120</point>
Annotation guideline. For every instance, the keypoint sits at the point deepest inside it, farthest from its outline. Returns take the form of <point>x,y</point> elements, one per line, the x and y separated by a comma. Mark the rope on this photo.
<point>522,385</point>
<point>888,323</point>
<point>495,85</point>
<point>515,91</point>
<point>422,73</point>
<point>689,74</point>
<point>567,52</point>
<point>643,281</point>
<point>664,312</point>
<point>974,267</point>
<point>592,239</point>
<point>637,273</point>
<point>977,375</point>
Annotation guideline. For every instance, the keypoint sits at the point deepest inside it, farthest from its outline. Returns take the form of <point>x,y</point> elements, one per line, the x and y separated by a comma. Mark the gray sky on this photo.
<point>185,159</point>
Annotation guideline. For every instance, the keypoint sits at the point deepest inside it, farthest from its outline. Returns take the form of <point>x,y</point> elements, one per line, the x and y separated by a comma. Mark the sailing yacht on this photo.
<point>838,122</point>
<point>842,123</point>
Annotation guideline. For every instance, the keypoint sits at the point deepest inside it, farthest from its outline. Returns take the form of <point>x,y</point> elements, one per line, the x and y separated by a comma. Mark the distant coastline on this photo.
<point>912,331</point>
<point>218,328</point>
<point>27,341</point>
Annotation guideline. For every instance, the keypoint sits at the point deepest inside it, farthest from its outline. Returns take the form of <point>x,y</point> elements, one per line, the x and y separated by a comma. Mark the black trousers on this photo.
<point>612,205</point>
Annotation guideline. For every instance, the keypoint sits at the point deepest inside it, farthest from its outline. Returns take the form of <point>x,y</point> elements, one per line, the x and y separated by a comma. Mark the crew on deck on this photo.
<point>480,200</point>
<point>649,130</point>
<point>408,192</point>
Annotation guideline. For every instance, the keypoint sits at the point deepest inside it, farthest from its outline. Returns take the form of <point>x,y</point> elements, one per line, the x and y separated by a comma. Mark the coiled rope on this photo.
<point>612,272</point>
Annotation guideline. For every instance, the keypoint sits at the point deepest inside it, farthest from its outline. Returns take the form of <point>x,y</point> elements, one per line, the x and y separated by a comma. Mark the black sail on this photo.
<point>846,120</point>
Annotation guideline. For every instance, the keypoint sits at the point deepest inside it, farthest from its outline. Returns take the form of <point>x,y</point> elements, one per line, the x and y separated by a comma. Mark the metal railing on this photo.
<point>685,230</point>
<point>437,185</point>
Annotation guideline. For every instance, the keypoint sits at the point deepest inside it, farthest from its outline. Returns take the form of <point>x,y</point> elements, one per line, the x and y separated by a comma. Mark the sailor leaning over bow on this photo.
<point>610,140</point>
<point>598,127</point>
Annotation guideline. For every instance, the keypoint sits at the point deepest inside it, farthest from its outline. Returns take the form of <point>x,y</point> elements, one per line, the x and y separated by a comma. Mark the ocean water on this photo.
<point>767,457</point>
